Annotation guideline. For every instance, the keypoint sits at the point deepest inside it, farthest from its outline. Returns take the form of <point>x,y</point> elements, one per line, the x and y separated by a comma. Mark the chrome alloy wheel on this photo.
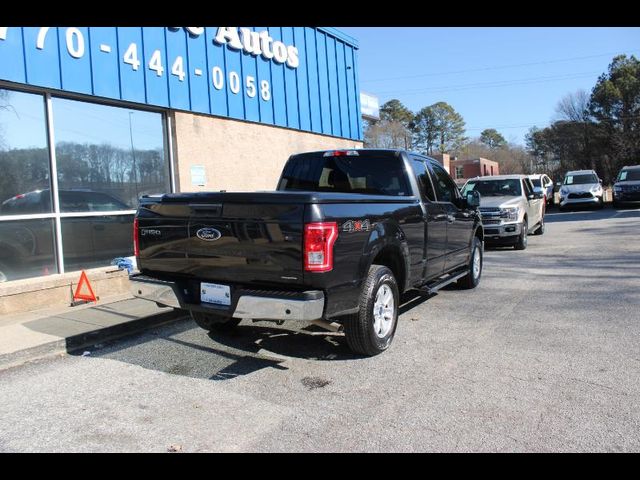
<point>383,309</point>
<point>476,263</point>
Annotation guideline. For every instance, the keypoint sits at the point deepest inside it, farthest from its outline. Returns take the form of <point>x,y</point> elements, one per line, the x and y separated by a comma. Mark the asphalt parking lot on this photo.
<point>543,356</point>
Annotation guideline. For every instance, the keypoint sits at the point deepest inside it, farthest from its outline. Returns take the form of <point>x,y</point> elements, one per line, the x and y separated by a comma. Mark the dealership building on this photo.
<point>92,118</point>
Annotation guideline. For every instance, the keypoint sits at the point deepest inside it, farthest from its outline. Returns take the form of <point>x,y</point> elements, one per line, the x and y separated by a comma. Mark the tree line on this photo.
<point>599,131</point>
<point>121,172</point>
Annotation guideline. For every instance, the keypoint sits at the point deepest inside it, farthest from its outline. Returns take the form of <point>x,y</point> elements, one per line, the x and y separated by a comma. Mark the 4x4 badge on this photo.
<point>351,226</point>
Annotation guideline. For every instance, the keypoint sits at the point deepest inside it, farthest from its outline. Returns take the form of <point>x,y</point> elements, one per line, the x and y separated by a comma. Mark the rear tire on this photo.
<point>214,323</point>
<point>371,330</point>
<point>522,241</point>
<point>472,279</point>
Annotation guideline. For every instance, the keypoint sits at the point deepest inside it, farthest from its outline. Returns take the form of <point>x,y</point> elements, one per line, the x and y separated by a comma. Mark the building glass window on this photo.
<point>459,172</point>
<point>106,157</point>
<point>26,249</point>
<point>113,151</point>
<point>96,240</point>
<point>24,156</point>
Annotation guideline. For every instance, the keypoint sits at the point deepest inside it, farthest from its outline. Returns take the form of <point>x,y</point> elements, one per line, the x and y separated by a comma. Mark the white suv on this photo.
<point>581,187</point>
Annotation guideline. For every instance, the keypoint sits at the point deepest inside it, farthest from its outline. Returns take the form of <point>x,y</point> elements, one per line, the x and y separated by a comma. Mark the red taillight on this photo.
<point>136,241</point>
<point>318,246</point>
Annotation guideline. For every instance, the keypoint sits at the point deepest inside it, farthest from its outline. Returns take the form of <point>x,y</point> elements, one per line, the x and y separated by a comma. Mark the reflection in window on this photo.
<point>95,241</point>
<point>24,156</point>
<point>26,249</point>
<point>107,157</point>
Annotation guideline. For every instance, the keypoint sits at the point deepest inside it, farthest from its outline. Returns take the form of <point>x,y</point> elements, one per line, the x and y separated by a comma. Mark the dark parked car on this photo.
<point>626,189</point>
<point>345,234</point>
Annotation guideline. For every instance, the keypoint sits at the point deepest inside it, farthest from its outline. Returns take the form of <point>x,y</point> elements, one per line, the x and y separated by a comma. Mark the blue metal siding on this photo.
<point>358,115</point>
<point>176,45</point>
<point>76,72</point>
<point>319,94</point>
<point>302,81</point>
<point>250,85</point>
<point>313,79</point>
<point>323,75</point>
<point>105,71</point>
<point>196,69</point>
<point>290,85</point>
<point>12,54</point>
<point>334,93</point>
<point>264,75</point>
<point>215,59</point>
<point>352,95</point>
<point>156,80</point>
<point>233,81</point>
<point>342,89</point>
<point>132,73</point>
<point>278,86</point>
<point>43,65</point>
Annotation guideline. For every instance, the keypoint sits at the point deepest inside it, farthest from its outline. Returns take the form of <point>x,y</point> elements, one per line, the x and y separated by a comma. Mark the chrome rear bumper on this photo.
<point>262,305</point>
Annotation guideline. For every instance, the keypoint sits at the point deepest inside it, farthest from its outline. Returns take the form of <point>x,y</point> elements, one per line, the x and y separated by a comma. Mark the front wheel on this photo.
<point>211,322</point>
<point>521,243</point>
<point>472,279</point>
<point>371,330</point>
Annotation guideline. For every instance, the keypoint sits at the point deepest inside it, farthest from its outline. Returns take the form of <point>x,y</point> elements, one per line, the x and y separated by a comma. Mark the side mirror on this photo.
<point>473,199</point>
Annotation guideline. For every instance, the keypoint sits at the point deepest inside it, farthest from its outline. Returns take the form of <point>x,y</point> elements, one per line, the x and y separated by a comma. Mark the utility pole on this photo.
<point>133,156</point>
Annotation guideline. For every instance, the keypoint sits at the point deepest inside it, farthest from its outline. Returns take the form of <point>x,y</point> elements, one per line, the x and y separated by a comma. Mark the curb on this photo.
<point>74,343</point>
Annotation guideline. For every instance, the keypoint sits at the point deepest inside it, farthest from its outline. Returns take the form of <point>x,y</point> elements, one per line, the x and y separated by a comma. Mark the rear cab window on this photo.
<point>364,172</point>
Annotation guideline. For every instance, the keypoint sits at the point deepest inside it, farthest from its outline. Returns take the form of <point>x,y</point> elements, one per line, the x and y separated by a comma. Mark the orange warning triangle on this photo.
<point>84,281</point>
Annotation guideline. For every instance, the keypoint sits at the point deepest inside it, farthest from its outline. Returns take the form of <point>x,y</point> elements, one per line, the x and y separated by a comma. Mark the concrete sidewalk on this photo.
<point>42,333</point>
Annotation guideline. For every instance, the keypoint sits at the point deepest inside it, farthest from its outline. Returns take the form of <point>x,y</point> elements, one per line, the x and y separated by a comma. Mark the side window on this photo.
<point>445,188</point>
<point>528,190</point>
<point>422,175</point>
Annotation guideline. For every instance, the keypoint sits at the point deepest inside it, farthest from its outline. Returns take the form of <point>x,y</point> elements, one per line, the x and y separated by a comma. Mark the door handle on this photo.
<point>451,218</point>
<point>98,227</point>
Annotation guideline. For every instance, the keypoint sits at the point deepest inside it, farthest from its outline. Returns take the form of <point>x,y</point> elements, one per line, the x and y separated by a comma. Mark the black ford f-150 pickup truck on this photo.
<point>345,234</point>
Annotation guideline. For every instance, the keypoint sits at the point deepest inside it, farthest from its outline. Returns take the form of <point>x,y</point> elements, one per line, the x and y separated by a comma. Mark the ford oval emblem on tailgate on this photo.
<point>208,234</point>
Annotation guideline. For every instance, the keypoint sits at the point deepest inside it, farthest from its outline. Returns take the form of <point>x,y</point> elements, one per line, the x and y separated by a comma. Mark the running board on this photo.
<point>435,286</point>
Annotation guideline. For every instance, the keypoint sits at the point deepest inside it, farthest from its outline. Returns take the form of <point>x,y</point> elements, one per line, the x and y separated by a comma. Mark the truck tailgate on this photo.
<point>223,241</point>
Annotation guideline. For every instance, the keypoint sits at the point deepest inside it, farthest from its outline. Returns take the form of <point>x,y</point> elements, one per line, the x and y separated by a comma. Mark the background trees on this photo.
<point>492,139</point>
<point>599,130</point>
